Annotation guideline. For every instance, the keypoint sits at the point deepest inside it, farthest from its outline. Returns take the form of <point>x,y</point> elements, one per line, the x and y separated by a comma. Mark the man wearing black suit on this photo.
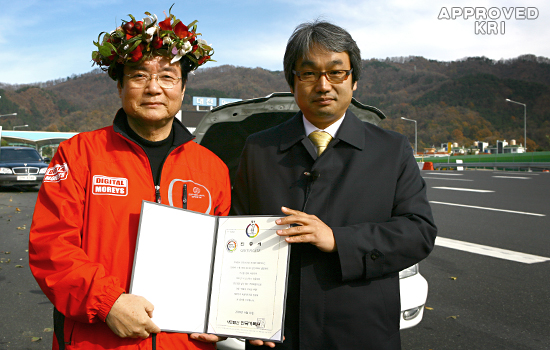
<point>364,212</point>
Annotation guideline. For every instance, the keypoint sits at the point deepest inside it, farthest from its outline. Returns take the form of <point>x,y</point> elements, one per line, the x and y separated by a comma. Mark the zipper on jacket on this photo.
<point>157,186</point>
<point>157,194</point>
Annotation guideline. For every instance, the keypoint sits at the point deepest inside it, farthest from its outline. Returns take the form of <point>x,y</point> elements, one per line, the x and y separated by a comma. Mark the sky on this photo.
<point>43,40</point>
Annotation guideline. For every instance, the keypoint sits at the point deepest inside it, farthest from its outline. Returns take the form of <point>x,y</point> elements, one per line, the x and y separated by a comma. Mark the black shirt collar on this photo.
<point>181,134</point>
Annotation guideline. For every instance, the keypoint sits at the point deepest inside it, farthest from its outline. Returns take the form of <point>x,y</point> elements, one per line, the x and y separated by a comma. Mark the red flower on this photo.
<point>137,54</point>
<point>203,59</point>
<point>157,42</point>
<point>165,25</point>
<point>138,27</point>
<point>181,30</point>
<point>128,28</point>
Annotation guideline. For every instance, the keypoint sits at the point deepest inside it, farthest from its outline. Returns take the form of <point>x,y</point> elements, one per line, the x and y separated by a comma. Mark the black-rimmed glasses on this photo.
<point>333,76</point>
<point>140,80</point>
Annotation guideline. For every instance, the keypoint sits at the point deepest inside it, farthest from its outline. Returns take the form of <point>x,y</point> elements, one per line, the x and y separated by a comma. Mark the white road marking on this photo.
<point>516,172</point>
<point>514,177</point>
<point>462,189</point>
<point>442,178</point>
<point>490,251</point>
<point>445,174</point>
<point>486,208</point>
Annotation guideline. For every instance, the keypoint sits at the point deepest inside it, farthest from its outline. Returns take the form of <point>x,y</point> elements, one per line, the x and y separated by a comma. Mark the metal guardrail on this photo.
<point>507,165</point>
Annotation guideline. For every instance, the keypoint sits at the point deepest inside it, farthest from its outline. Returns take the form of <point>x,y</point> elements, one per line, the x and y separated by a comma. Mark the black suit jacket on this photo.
<point>370,192</point>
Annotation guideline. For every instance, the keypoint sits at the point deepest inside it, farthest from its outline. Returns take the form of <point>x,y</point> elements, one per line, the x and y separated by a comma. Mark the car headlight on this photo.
<point>43,170</point>
<point>409,271</point>
<point>412,313</point>
<point>5,171</point>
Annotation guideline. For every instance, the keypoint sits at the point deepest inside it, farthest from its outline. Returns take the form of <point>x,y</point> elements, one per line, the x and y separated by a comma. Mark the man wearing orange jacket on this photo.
<point>86,218</point>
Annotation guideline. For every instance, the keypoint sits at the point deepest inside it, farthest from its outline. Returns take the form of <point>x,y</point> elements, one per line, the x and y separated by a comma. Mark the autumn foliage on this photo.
<point>461,101</point>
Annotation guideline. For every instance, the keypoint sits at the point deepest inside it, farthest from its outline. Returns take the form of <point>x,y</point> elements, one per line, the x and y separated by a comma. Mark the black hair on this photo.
<point>328,36</point>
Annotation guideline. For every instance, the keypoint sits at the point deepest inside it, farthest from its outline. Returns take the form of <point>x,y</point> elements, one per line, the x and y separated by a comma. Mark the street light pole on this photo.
<point>415,135</point>
<point>524,121</point>
<point>7,115</point>
<point>20,126</point>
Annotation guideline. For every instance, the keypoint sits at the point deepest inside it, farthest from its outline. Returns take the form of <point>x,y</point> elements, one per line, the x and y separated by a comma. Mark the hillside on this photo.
<point>458,101</point>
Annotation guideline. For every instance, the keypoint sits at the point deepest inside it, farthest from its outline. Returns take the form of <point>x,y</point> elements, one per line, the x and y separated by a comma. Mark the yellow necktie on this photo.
<point>321,140</point>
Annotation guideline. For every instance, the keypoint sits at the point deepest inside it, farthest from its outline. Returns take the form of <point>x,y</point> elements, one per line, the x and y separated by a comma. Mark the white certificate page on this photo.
<point>249,279</point>
<point>172,265</point>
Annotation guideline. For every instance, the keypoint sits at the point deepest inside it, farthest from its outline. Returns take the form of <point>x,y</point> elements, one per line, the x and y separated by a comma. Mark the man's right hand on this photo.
<point>257,342</point>
<point>130,317</point>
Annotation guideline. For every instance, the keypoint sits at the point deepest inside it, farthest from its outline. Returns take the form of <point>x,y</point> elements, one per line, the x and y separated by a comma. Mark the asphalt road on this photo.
<point>25,312</point>
<point>475,300</point>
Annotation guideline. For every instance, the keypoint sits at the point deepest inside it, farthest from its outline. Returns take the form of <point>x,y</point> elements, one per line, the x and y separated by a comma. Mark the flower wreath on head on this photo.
<point>136,41</point>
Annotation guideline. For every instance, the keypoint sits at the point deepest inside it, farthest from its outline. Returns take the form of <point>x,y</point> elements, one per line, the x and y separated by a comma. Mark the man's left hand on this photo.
<point>207,338</point>
<point>310,229</point>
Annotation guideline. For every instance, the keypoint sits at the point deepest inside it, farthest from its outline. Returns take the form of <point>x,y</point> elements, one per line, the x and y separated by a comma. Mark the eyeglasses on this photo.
<point>333,76</point>
<point>140,80</point>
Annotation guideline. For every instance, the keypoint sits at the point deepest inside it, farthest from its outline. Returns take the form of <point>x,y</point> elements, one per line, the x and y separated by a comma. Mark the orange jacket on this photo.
<point>85,223</point>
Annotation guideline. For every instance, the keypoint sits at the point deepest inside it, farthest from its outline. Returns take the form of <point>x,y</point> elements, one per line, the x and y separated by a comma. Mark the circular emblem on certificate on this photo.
<point>252,229</point>
<point>231,245</point>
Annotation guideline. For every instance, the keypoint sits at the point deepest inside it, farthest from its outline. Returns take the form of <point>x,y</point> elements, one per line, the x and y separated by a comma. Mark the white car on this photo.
<point>414,291</point>
<point>224,130</point>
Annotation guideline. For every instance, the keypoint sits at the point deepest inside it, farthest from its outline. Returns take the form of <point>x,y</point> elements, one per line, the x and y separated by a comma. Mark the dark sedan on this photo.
<point>21,166</point>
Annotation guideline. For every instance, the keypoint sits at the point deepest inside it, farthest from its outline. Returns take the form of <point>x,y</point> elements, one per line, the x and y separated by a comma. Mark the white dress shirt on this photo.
<point>331,130</point>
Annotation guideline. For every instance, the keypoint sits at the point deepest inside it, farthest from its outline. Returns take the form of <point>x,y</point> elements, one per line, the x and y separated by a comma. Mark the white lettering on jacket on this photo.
<point>56,173</point>
<point>110,186</point>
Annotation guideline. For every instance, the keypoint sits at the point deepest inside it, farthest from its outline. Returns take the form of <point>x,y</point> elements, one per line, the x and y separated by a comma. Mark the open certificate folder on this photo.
<point>208,274</point>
